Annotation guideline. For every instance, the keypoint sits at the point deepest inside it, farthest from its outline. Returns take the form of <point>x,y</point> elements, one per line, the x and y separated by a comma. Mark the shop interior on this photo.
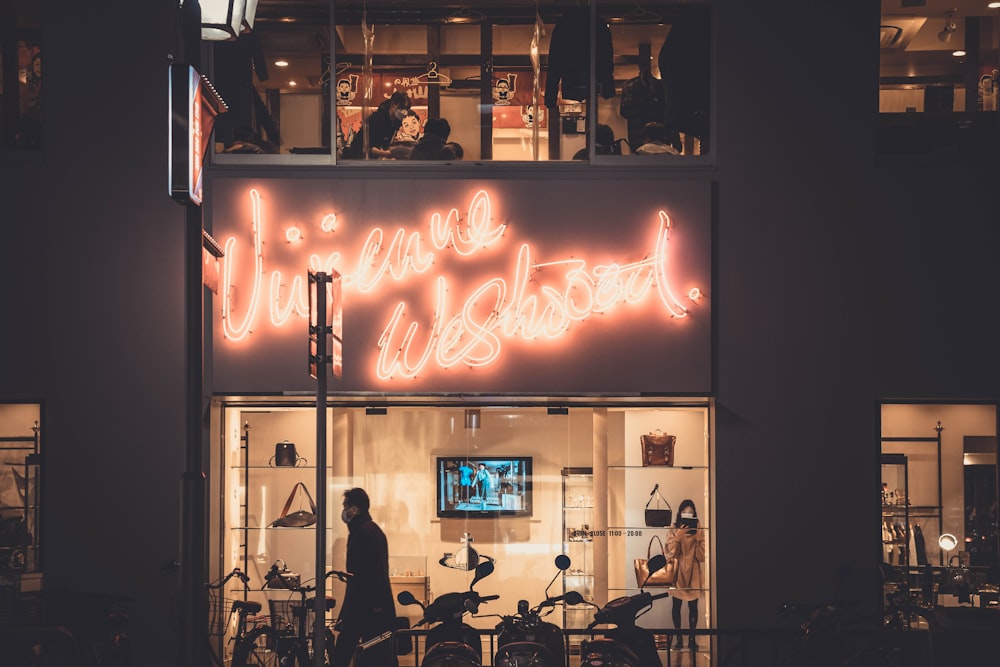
<point>555,480</point>
<point>938,76</point>
<point>20,506</point>
<point>496,71</point>
<point>939,505</point>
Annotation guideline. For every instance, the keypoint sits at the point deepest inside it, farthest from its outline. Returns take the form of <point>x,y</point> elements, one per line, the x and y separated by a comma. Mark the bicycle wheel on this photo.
<point>266,647</point>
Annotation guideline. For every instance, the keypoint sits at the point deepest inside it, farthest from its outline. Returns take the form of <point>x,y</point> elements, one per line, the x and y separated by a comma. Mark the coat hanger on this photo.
<point>640,14</point>
<point>432,75</point>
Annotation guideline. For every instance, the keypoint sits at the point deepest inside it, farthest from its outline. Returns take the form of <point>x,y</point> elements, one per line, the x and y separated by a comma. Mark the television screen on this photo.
<point>483,487</point>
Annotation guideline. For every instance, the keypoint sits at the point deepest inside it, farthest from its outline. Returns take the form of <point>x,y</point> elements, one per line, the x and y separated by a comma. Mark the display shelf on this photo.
<point>657,468</point>
<point>20,465</point>
<point>282,468</point>
<point>578,543</point>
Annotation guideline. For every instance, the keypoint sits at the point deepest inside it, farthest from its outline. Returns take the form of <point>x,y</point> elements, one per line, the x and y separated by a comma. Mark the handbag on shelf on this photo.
<point>657,448</point>
<point>664,577</point>
<point>298,518</point>
<point>283,579</point>
<point>285,455</point>
<point>656,516</point>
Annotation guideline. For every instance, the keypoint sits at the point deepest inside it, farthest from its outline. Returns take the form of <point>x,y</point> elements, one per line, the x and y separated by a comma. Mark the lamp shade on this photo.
<point>222,20</point>
<point>249,14</point>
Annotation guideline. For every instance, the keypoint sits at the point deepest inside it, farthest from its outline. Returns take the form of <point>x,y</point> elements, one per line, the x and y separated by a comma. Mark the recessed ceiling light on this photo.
<point>994,5</point>
<point>281,63</point>
<point>293,83</point>
<point>958,54</point>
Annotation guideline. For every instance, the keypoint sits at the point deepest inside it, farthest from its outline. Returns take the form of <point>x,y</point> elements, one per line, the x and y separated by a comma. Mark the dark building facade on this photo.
<point>840,279</point>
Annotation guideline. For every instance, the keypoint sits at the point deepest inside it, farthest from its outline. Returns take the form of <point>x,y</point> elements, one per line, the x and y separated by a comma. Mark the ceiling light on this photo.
<point>950,27</point>
<point>958,54</point>
<point>994,5</point>
<point>281,63</point>
<point>293,83</point>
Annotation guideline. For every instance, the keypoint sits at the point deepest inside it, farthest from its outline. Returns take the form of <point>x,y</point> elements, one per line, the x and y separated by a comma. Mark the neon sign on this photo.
<point>541,299</point>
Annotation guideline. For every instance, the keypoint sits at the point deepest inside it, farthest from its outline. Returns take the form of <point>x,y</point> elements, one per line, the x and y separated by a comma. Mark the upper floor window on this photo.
<point>938,77</point>
<point>387,80</point>
<point>20,79</point>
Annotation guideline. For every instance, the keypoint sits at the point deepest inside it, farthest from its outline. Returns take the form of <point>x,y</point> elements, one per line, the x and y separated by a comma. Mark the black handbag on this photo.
<point>285,455</point>
<point>298,518</point>
<point>283,578</point>
<point>656,516</point>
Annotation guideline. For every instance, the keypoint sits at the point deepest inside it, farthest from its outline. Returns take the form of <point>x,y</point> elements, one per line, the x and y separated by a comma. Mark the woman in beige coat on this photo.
<point>686,543</point>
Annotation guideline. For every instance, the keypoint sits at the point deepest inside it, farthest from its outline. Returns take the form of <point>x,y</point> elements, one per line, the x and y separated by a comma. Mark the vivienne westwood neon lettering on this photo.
<point>538,299</point>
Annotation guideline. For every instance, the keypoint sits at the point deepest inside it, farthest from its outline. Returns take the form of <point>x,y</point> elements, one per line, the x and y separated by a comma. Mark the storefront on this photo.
<point>493,324</point>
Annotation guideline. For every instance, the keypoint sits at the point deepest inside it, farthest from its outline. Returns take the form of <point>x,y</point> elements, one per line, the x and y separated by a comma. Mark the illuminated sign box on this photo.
<point>553,286</point>
<point>194,106</point>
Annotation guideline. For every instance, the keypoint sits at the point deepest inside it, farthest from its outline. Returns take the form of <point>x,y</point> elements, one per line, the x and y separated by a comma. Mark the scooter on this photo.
<point>627,644</point>
<point>452,643</point>
<point>525,640</point>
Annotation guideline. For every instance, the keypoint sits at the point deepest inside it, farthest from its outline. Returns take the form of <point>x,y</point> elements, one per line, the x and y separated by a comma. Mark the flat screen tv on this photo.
<point>483,487</point>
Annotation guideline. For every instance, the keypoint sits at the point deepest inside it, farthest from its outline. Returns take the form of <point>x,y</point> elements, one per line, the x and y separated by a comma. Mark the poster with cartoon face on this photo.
<point>504,89</point>
<point>347,89</point>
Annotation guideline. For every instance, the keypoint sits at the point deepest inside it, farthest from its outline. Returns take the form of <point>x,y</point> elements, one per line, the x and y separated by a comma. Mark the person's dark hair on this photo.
<point>655,132</point>
<point>357,497</point>
<point>604,135</point>
<point>453,151</point>
<point>439,127</point>
<point>687,502</point>
<point>400,99</point>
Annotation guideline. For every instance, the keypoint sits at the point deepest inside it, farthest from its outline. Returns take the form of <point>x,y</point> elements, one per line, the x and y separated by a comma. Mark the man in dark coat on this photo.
<point>368,609</point>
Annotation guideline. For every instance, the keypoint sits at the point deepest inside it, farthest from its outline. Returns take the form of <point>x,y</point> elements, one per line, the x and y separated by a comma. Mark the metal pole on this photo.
<point>322,362</point>
<point>193,607</point>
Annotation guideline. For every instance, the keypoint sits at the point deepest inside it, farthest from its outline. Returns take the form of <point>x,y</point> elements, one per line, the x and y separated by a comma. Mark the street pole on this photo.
<point>193,529</point>
<point>319,359</point>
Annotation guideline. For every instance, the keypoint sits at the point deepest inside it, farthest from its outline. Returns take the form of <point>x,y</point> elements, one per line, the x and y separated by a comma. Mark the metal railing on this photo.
<point>731,647</point>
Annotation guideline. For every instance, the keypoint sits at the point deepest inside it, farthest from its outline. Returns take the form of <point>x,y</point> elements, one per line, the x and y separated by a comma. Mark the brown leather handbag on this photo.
<point>657,448</point>
<point>664,577</point>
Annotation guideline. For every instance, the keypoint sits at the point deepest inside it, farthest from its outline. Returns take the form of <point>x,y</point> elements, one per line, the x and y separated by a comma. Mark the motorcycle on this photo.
<point>525,640</point>
<point>452,642</point>
<point>627,644</point>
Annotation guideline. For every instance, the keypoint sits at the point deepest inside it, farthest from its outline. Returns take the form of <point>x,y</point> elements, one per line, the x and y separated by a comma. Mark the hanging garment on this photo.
<point>569,58</point>
<point>919,547</point>
<point>684,68</point>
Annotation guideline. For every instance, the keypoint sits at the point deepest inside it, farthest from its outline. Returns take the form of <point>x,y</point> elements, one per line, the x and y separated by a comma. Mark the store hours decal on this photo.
<point>538,298</point>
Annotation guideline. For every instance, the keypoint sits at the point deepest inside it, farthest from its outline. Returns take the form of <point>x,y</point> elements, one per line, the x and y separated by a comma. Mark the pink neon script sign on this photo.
<point>538,300</point>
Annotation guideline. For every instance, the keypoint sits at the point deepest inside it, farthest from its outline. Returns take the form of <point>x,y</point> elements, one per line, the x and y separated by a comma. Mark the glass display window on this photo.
<point>515,81</point>
<point>453,484</point>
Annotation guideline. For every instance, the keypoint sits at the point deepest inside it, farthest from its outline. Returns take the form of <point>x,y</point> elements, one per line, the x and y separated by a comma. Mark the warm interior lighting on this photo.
<point>281,63</point>
<point>293,83</point>
<point>994,5</point>
<point>950,27</point>
<point>472,418</point>
<point>293,234</point>
<point>958,54</point>
<point>947,541</point>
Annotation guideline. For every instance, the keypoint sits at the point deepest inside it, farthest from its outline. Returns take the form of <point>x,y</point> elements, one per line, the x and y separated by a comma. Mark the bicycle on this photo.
<point>287,641</point>
<point>98,622</point>
<point>228,616</point>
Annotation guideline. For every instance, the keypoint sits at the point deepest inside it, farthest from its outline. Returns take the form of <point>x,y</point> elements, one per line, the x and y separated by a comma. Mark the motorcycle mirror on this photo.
<point>483,570</point>
<point>563,562</point>
<point>406,598</point>
<point>572,597</point>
